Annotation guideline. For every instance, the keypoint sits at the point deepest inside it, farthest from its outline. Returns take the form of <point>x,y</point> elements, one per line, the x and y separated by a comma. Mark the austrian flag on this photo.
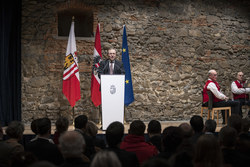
<point>71,81</point>
<point>95,81</point>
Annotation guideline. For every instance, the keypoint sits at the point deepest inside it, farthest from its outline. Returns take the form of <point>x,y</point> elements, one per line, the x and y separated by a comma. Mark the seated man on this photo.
<point>42,147</point>
<point>240,92</point>
<point>154,133</point>
<point>219,99</point>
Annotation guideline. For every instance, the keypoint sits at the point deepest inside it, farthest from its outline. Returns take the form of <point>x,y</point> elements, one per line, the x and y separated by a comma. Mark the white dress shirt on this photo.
<point>237,90</point>
<point>212,87</point>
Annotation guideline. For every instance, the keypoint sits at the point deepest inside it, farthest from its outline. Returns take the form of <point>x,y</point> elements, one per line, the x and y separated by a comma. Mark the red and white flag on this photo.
<point>95,80</point>
<point>71,80</point>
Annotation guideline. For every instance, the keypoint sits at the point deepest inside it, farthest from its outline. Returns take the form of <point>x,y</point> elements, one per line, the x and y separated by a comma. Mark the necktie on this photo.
<point>111,68</point>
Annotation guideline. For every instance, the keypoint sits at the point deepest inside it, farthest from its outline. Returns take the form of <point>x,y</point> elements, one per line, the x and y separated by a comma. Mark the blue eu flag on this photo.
<point>129,94</point>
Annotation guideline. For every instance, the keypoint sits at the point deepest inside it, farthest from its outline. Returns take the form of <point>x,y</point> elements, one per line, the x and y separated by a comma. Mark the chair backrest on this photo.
<point>210,101</point>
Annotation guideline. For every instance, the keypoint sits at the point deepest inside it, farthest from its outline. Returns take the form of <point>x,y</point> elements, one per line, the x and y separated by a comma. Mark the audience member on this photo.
<point>187,130</point>
<point>245,126</point>
<point>243,142</point>
<point>72,145</point>
<point>92,130</point>
<point>240,91</point>
<point>80,126</point>
<point>135,142</point>
<point>5,151</point>
<point>208,152</point>
<point>154,133</point>
<point>105,159</point>
<point>235,121</point>
<point>197,124</point>
<point>62,125</point>
<point>172,137</point>
<point>219,99</point>
<point>14,132</point>
<point>184,153</point>
<point>33,127</point>
<point>210,126</point>
<point>114,135</point>
<point>231,156</point>
<point>42,147</point>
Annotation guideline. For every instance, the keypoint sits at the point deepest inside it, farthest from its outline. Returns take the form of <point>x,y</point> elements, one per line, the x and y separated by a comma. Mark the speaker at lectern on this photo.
<point>112,94</point>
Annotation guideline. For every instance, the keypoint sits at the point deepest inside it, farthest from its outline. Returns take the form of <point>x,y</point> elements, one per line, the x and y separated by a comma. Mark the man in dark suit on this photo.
<point>111,66</point>
<point>41,147</point>
<point>80,127</point>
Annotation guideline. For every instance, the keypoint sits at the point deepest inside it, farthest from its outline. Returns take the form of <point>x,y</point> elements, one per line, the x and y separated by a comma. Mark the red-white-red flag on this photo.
<point>71,80</point>
<point>95,81</point>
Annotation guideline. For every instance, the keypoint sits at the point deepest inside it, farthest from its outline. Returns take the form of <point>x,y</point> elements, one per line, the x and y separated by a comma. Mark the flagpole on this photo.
<point>73,121</point>
<point>124,119</point>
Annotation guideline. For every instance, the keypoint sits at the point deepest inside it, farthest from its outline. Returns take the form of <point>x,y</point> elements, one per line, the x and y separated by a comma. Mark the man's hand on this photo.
<point>226,98</point>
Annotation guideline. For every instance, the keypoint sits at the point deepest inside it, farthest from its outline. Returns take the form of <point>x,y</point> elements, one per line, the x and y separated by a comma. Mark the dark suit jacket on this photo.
<point>90,147</point>
<point>104,67</point>
<point>44,150</point>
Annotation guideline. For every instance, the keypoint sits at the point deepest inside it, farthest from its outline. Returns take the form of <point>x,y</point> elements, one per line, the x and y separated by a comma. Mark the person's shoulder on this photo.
<point>234,81</point>
<point>118,62</point>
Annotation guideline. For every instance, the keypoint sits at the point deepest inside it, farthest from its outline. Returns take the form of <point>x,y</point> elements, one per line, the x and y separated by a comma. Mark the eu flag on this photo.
<point>129,94</point>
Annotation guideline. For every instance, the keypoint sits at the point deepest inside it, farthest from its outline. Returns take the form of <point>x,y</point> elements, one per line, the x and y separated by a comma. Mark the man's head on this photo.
<point>197,123</point>
<point>81,122</point>
<point>137,127</point>
<point>62,124</point>
<point>240,76</point>
<point>210,125</point>
<point>112,54</point>
<point>212,74</point>
<point>15,130</point>
<point>228,136</point>
<point>43,126</point>
<point>114,134</point>
<point>154,127</point>
<point>72,144</point>
<point>187,130</point>
<point>171,138</point>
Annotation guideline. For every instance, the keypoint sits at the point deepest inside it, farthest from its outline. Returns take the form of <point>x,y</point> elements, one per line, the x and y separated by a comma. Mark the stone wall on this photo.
<point>172,45</point>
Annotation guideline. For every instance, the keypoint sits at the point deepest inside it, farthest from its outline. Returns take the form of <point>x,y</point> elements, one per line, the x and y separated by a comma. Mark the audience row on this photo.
<point>193,144</point>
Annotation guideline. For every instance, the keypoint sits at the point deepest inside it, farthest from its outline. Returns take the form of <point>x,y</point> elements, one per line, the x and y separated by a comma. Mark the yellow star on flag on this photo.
<point>124,50</point>
<point>127,81</point>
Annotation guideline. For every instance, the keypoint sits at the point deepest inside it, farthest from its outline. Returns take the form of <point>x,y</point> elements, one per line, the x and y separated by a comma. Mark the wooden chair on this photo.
<point>212,109</point>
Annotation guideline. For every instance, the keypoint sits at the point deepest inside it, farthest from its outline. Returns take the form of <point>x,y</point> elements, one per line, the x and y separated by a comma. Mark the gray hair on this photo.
<point>211,71</point>
<point>71,144</point>
<point>15,129</point>
<point>106,159</point>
